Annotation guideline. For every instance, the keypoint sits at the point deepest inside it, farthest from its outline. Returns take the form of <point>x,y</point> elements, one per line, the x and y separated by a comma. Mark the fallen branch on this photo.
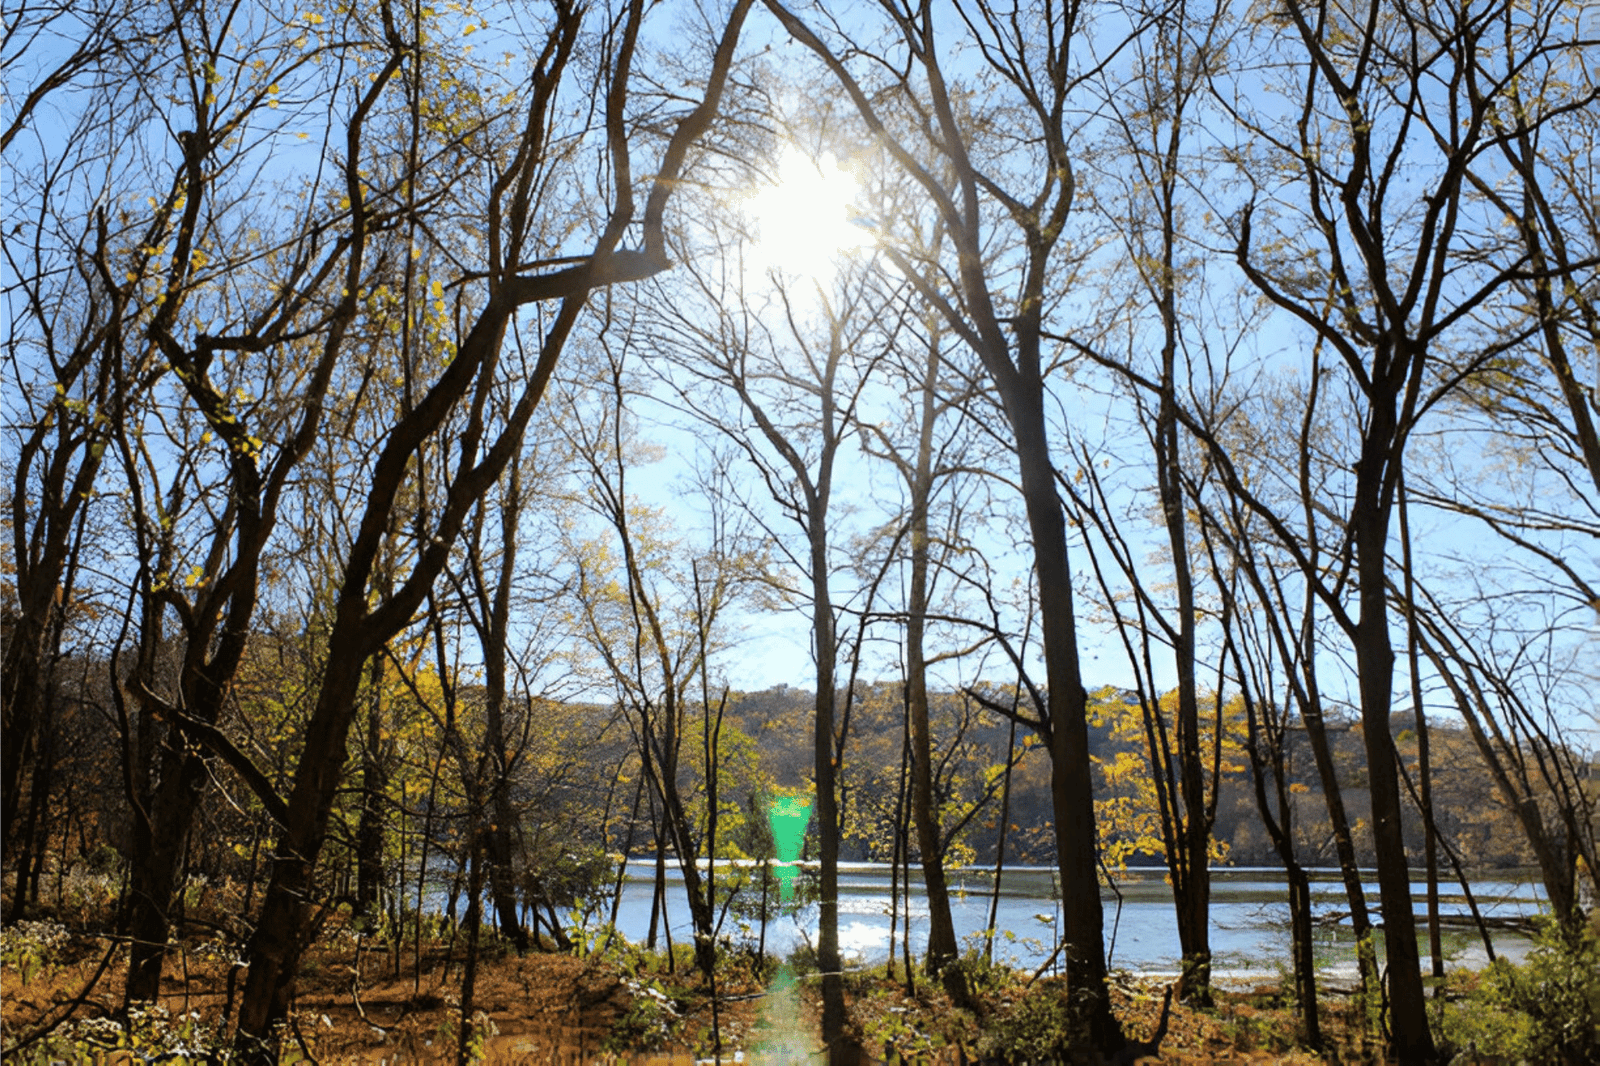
<point>78,1001</point>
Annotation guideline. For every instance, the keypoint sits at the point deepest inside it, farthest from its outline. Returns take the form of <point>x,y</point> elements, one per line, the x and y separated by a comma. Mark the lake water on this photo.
<point>1249,917</point>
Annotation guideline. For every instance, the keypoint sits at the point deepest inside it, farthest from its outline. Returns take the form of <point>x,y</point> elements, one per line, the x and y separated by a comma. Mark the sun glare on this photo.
<point>805,219</point>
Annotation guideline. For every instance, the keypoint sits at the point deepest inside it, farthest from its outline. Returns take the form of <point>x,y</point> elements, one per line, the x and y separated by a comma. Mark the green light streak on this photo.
<point>789,816</point>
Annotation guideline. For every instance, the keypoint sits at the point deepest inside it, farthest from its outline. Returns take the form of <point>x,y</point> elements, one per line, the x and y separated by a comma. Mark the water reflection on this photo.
<point>1249,917</point>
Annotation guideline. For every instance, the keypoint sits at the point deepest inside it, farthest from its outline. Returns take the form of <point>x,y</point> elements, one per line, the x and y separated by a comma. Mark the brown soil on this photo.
<point>356,1004</point>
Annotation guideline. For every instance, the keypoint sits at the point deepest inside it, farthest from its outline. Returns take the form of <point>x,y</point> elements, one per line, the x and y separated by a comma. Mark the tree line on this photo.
<point>1241,351</point>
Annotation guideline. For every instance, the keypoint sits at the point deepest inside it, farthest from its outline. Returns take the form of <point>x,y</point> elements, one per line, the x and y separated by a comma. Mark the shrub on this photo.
<point>150,1035</point>
<point>1041,1026</point>
<point>982,974</point>
<point>1546,1010</point>
<point>648,1022</point>
<point>28,947</point>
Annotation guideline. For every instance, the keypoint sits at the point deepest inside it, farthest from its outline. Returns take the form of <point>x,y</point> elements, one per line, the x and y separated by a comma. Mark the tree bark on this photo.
<point>942,947</point>
<point>823,643</point>
<point>1071,782</point>
<point>502,816</point>
<point>274,949</point>
<point>370,830</point>
<point>1411,1038</point>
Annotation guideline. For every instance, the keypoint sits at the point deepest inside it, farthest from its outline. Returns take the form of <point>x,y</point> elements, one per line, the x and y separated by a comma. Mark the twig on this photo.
<point>299,1037</point>
<point>49,1027</point>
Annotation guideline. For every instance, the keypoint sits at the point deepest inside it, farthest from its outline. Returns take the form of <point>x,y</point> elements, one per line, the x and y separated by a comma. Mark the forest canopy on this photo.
<point>1140,432</point>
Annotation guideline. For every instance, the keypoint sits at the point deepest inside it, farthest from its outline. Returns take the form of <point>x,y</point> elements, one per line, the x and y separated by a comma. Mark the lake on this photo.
<point>1249,917</point>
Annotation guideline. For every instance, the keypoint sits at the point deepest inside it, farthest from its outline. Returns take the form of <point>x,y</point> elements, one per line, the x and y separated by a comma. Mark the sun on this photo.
<point>806,218</point>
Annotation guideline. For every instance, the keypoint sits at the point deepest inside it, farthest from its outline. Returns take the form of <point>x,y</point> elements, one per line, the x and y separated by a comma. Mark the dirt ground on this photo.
<point>359,1004</point>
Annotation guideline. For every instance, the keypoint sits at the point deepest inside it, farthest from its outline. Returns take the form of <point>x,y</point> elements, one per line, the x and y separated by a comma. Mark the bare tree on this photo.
<point>941,453</point>
<point>654,624</point>
<point>922,471</point>
<point>784,398</point>
<point>996,167</point>
<point>47,47</point>
<point>451,417</point>
<point>1373,244</point>
<point>74,363</point>
<point>1143,167</point>
<point>1514,715</point>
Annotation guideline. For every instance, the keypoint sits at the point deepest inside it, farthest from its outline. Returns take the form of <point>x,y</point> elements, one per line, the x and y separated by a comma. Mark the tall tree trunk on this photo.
<point>899,836</point>
<point>1411,1039</point>
<point>374,787</point>
<point>1424,796</point>
<point>44,558</point>
<point>35,823</point>
<point>498,853</point>
<point>658,897</point>
<point>499,758</point>
<point>1191,873</point>
<point>161,835</point>
<point>19,711</point>
<point>1071,782</point>
<point>1343,840</point>
<point>469,970</point>
<point>823,645</point>
<point>275,948</point>
<point>1302,946</point>
<point>1000,844</point>
<point>1298,653</point>
<point>1280,829</point>
<point>702,913</point>
<point>158,848</point>
<point>942,947</point>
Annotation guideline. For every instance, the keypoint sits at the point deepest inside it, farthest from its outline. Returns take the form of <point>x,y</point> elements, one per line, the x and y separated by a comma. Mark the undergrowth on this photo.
<point>1545,1010</point>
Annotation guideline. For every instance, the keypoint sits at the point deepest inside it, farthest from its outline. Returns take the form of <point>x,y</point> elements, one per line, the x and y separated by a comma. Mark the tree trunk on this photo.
<point>1303,948</point>
<point>833,1010</point>
<point>469,970</point>
<point>160,841</point>
<point>702,913</point>
<point>497,841</point>
<point>1280,829</point>
<point>502,874</point>
<point>1000,845</point>
<point>1071,779</point>
<point>19,706</point>
<point>1191,873</point>
<point>1344,842</point>
<point>158,848</point>
<point>1424,793</point>
<point>899,837</point>
<point>942,947</point>
<point>1411,1040</point>
<point>35,824</point>
<point>275,948</point>
<point>658,897</point>
<point>369,833</point>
